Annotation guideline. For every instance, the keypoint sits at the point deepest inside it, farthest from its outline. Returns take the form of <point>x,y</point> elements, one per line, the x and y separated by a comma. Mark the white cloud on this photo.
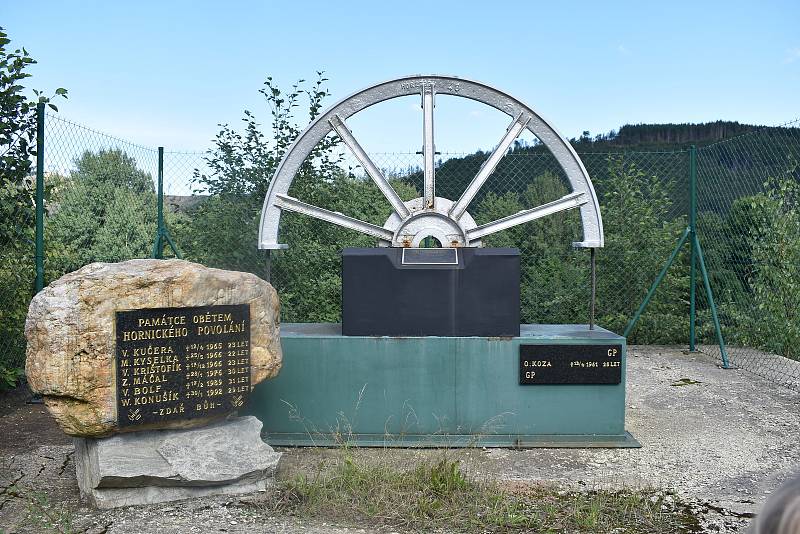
<point>792,55</point>
<point>623,50</point>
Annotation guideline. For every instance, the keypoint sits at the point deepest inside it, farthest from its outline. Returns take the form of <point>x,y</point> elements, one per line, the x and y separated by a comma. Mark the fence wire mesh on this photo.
<point>644,201</point>
<point>101,201</point>
<point>17,250</point>
<point>749,226</point>
<point>100,197</point>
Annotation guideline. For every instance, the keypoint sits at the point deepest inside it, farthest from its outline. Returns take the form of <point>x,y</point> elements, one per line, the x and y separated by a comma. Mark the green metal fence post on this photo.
<point>158,246</point>
<point>707,284</point>
<point>693,229</point>
<point>657,282</point>
<point>162,234</point>
<point>39,196</point>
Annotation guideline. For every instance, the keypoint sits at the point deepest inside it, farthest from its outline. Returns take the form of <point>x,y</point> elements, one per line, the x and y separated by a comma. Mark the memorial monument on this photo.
<point>146,363</point>
<point>430,350</point>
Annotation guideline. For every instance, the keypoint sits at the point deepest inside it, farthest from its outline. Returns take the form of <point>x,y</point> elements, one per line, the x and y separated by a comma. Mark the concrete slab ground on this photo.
<point>722,439</point>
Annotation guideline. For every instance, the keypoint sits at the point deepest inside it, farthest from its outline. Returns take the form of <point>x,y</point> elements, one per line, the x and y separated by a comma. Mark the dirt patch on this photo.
<point>25,426</point>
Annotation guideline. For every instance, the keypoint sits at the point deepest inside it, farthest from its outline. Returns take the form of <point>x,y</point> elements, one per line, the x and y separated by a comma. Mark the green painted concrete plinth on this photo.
<point>433,392</point>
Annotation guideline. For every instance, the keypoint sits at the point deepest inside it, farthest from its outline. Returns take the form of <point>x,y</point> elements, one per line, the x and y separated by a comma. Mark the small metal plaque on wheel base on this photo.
<point>570,364</point>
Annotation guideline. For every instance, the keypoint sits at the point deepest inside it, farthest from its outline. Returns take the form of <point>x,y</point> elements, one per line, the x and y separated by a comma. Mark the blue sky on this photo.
<point>166,73</point>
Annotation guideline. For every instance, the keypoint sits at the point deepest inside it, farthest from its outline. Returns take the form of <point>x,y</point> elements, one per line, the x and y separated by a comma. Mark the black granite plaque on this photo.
<point>391,291</point>
<point>570,364</point>
<point>181,363</point>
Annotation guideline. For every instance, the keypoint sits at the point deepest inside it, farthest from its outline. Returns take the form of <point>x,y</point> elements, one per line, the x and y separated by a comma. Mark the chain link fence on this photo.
<point>17,269</point>
<point>749,224</point>
<point>101,198</point>
<point>644,201</point>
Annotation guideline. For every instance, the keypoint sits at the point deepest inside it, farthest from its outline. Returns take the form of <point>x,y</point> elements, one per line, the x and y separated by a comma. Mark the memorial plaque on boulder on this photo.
<point>146,363</point>
<point>181,363</point>
<point>150,344</point>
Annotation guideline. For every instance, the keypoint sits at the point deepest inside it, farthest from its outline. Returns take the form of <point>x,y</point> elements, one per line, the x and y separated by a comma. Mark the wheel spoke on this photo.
<point>488,167</point>
<point>377,176</point>
<point>428,148</point>
<point>288,203</point>
<point>573,200</point>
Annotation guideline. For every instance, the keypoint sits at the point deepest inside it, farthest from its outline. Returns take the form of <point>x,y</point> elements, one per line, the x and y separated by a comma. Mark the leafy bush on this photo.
<point>105,211</point>
<point>17,189</point>
<point>775,279</point>
<point>639,237</point>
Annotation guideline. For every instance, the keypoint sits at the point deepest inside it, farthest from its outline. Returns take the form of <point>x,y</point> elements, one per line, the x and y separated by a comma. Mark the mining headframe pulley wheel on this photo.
<point>430,216</point>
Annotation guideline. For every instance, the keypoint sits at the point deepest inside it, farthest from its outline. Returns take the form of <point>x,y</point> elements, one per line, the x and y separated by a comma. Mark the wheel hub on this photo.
<point>422,223</point>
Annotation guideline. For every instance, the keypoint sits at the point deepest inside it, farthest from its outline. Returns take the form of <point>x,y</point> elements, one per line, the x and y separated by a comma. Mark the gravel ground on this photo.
<point>722,439</point>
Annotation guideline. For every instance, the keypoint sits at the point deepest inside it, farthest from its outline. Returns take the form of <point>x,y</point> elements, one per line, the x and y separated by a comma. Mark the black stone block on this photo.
<point>430,292</point>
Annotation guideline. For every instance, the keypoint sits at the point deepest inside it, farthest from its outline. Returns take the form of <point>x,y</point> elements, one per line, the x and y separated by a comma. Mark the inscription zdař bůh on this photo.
<point>181,363</point>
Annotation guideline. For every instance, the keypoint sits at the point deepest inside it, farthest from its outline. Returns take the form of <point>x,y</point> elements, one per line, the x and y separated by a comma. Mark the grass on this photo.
<point>437,495</point>
<point>41,515</point>
<point>685,382</point>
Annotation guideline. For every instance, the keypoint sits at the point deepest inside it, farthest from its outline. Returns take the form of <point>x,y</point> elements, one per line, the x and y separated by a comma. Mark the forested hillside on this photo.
<point>660,150</point>
<point>663,136</point>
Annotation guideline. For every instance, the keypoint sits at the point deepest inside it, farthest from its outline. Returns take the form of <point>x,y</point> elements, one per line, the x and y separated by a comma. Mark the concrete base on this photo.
<point>458,441</point>
<point>166,465</point>
<point>434,392</point>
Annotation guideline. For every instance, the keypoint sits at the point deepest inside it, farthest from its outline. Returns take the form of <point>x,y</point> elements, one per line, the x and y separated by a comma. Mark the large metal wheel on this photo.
<point>412,222</point>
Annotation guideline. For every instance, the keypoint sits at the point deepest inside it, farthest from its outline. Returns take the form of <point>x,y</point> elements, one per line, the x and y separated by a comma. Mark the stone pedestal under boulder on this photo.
<point>71,333</point>
<point>224,458</point>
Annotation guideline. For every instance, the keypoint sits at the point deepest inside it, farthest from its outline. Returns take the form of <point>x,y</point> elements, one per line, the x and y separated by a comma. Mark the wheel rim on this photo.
<point>442,218</point>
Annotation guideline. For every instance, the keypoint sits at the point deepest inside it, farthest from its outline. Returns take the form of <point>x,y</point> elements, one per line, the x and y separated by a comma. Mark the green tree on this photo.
<point>639,236</point>
<point>243,162</point>
<point>17,136</point>
<point>105,212</point>
<point>776,267</point>
<point>222,231</point>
